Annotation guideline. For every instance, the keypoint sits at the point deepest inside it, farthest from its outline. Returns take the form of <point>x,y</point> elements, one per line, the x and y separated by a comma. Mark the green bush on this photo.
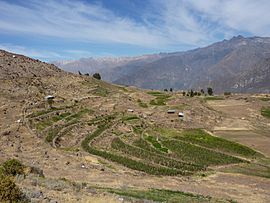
<point>9,191</point>
<point>12,167</point>
<point>97,76</point>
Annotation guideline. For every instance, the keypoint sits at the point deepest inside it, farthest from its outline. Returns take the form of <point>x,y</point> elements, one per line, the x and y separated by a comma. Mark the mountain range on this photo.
<point>237,65</point>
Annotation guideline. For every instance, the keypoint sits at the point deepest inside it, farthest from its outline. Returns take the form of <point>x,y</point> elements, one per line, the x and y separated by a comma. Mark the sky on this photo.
<point>71,29</point>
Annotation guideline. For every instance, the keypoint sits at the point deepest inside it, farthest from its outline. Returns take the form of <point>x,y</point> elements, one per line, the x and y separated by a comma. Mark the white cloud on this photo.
<point>74,20</point>
<point>238,15</point>
<point>164,24</point>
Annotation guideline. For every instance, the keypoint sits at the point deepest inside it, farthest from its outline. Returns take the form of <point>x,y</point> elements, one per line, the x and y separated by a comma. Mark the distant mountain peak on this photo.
<point>240,60</point>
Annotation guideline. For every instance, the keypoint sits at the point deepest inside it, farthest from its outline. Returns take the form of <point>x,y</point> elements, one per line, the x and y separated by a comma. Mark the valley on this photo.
<point>99,142</point>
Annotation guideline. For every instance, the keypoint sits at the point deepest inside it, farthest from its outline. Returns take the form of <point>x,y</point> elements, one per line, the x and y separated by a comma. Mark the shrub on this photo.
<point>227,93</point>
<point>12,167</point>
<point>202,91</point>
<point>9,191</point>
<point>191,93</point>
<point>97,76</point>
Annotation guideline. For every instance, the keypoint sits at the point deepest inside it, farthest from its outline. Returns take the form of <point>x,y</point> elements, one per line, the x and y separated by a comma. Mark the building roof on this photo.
<point>181,114</point>
<point>49,97</point>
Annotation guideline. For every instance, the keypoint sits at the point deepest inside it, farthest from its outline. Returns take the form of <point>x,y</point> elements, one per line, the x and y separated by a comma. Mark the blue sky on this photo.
<point>70,29</point>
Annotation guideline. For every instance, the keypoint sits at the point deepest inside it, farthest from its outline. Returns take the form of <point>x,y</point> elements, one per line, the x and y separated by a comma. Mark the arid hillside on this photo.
<point>98,142</point>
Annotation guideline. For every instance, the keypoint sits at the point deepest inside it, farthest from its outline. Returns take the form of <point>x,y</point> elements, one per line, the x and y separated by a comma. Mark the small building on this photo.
<point>181,115</point>
<point>130,110</point>
<point>48,97</point>
<point>171,111</point>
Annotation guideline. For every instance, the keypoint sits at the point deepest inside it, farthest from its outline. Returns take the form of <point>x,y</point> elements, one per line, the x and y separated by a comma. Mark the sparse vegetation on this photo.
<point>9,191</point>
<point>265,111</point>
<point>129,118</point>
<point>51,120</point>
<point>101,91</point>
<point>265,98</point>
<point>12,167</point>
<point>214,98</point>
<point>160,195</point>
<point>142,104</point>
<point>160,100</point>
<point>227,93</point>
<point>251,169</point>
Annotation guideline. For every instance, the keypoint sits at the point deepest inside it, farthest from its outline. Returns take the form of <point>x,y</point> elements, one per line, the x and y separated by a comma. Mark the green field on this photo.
<point>142,104</point>
<point>265,111</point>
<point>160,100</point>
<point>159,195</point>
<point>156,151</point>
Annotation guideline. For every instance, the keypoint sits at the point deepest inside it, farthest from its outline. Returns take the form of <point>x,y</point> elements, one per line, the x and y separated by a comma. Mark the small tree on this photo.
<point>202,91</point>
<point>171,89</point>
<point>97,76</point>
<point>79,72</point>
<point>210,91</point>
<point>165,90</point>
<point>184,93</point>
<point>87,74</point>
<point>191,93</point>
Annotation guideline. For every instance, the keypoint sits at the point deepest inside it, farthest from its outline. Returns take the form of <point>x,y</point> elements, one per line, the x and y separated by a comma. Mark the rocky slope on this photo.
<point>15,66</point>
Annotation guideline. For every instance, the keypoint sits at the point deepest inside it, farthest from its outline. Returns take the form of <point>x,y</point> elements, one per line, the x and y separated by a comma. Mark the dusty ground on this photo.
<point>243,123</point>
